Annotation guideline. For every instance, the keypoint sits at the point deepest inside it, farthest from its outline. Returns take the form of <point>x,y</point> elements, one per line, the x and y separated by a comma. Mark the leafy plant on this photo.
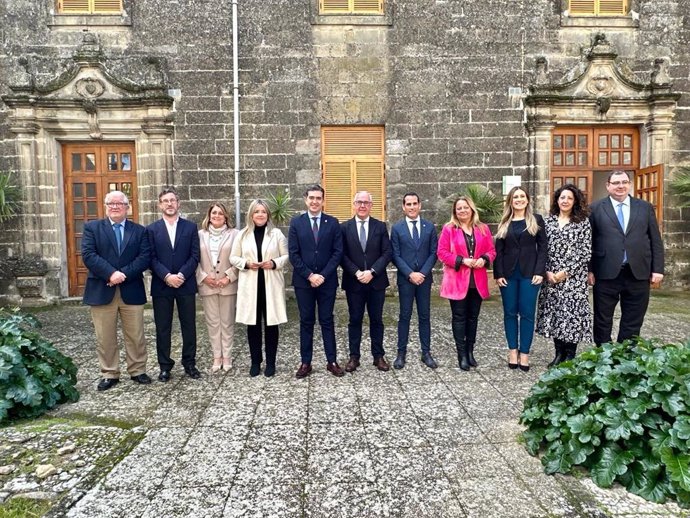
<point>620,411</point>
<point>34,375</point>
<point>680,185</point>
<point>9,197</point>
<point>280,204</point>
<point>489,205</point>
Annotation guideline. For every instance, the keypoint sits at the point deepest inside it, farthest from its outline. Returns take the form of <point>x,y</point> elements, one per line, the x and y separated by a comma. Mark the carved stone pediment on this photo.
<point>88,76</point>
<point>598,75</point>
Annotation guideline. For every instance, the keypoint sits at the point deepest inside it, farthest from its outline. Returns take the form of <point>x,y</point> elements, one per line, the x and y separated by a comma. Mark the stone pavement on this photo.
<point>410,443</point>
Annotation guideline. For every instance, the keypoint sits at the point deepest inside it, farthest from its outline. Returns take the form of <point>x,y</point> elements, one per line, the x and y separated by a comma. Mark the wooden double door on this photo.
<point>90,171</point>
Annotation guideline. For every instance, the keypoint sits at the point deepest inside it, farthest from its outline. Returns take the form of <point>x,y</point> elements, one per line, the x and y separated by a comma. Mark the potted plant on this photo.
<point>9,196</point>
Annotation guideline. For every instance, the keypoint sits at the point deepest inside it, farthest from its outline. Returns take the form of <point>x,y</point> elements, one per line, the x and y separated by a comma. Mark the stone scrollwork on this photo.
<point>89,87</point>
<point>600,83</point>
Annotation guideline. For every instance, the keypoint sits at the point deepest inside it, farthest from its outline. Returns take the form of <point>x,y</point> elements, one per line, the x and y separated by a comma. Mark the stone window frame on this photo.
<point>628,21</point>
<point>351,19</point>
<point>85,20</point>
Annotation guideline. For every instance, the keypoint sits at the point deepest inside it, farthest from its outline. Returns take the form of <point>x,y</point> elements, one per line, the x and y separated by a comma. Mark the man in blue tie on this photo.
<point>315,247</point>
<point>627,256</point>
<point>414,242</point>
<point>116,252</point>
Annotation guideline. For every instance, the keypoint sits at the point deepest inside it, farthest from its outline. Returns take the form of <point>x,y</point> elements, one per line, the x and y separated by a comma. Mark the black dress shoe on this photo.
<point>107,383</point>
<point>164,376</point>
<point>142,379</point>
<point>192,372</point>
<point>270,370</point>
<point>429,361</point>
<point>399,362</point>
<point>254,370</point>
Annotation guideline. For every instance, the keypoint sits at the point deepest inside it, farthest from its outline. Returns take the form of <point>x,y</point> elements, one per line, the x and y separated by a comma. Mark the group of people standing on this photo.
<point>541,265</point>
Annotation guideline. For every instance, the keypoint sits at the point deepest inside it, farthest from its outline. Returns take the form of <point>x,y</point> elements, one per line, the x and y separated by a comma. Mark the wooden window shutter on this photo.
<point>598,7</point>
<point>367,6</point>
<point>612,7</point>
<point>648,182</point>
<point>351,6</point>
<point>353,160</point>
<point>582,7</point>
<point>73,6</point>
<point>334,6</point>
<point>107,6</point>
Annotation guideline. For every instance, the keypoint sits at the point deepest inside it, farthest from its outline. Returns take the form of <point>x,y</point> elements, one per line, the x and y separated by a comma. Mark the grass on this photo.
<point>24,508</point>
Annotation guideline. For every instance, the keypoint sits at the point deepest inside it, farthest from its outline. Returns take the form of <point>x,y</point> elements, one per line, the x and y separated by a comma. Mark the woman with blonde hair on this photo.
<point>519,269</point>
<point>217,281</point>
<point>260,253</point>
<point>466,249</point>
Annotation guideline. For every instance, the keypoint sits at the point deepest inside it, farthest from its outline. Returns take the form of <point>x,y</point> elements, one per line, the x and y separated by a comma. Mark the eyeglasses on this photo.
<point>618,183</point>
<point>171,201</point>
<point>362,202</point>
<point>116,205</point>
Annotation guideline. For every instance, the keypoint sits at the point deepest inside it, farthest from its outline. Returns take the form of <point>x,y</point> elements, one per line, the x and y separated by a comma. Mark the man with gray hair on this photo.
<point>366,253</point>
<point>116,252</point>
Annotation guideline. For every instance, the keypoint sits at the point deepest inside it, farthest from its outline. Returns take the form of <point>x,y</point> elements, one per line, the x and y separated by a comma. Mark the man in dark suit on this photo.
<point>116,252</point>
<point>366,253</point>
<point>315,246</point>
<point>627,255</point>
<point>414,243</point>
<point>174,258</point>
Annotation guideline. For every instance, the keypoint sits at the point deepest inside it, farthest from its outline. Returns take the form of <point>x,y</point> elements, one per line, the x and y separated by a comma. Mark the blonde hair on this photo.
<point>250,225</point>
<point>508,214</point>
<point>207,220</point>
<point>474,220</point>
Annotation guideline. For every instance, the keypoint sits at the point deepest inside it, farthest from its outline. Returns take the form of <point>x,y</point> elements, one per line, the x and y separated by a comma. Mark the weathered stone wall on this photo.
<point>437,74</point>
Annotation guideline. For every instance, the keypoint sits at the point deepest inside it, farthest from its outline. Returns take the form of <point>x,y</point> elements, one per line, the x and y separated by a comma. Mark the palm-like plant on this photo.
<point>680,186</point>
<point>9,196</point>
<point>489,205</point>
<point>280,205</point>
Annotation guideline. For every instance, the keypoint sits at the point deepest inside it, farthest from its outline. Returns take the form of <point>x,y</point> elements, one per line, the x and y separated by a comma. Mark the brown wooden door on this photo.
<point>648,182</point>
<point>91,171</point>
<point>580,179</point>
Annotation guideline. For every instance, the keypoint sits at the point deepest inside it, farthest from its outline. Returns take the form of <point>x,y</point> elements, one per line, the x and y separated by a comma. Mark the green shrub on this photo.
<point>34,375</point>
<point>9,196</point>
<point>280,205</point>
<point>489,204</point>
<point>620,411</point>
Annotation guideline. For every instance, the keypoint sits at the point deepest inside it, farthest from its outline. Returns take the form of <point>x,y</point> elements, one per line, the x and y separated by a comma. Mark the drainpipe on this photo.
<point>236,113</point>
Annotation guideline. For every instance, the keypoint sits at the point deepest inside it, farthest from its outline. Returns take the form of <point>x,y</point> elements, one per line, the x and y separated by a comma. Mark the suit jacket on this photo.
<point>99,254</point>
<point>182,258</point>
<point>409,258</point>
<point>451,245</point>
<point>527,250</point>
<point>308,256</point>
<point>375,257</point>
<point>642,241</point>
<point>221,269</point>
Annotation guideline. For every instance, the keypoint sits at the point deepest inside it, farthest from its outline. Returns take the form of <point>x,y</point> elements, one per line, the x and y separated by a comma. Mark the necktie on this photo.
<point>315,229</point>
<point>621,221</point>
<point>415,234</point>
<point>362,236</point>
<point>118,236</point>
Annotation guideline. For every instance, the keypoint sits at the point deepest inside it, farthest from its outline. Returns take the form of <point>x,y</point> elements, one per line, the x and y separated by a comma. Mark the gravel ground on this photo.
<point>414,442</point>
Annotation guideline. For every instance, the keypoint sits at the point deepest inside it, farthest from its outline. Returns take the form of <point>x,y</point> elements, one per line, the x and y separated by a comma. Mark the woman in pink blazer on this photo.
<point>217,281</point>
<point>466,248</point>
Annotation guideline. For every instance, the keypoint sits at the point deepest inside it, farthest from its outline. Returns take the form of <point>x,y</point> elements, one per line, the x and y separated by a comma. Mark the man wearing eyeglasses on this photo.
<point>116,252</point>
<point>366,253</point>
<point>174,258</point>
<point>627,256</point>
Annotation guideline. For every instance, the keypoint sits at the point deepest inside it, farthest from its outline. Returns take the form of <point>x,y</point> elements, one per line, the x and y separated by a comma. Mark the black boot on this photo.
<point>560,352</point>
<point>463,359</point>
<point>570,351</point>
<point>470,355</point>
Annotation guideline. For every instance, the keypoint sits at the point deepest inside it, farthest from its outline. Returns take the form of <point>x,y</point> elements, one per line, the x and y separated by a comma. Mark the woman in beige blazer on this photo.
<point>217,280</point>
<point>260,253</point>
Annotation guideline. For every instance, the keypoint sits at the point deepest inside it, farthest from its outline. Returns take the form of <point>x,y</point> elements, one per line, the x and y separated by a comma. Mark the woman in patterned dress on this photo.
<point>564,312</point>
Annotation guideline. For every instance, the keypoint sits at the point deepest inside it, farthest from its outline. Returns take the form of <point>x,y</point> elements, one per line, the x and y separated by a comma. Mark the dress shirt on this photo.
<point>172,230</point>
<point>366,226</point>
<point>122,228</point>
<point>419,225</point>
<point>626,209</point>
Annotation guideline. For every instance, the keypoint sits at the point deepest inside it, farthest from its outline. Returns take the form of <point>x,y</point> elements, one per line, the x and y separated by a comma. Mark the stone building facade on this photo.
<point>460,92</point>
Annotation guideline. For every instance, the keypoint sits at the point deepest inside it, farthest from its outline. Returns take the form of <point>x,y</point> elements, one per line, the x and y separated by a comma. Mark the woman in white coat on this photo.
<point>260,253</point>
<point>217,281</point>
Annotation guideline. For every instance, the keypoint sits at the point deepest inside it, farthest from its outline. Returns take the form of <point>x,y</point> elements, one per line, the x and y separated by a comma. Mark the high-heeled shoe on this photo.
<point>523,367</point>
<point>512,365</point>
<point>227,364</point>
<point>216,365</point>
